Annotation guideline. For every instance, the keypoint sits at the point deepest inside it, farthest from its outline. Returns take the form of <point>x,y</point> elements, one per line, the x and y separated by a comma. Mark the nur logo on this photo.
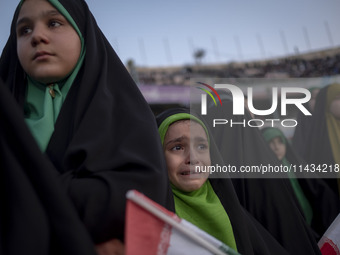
<point>238,99</point>
<point>204,97</point>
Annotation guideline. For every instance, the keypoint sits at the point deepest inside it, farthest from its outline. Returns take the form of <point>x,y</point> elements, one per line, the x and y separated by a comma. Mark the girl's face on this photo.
<point>47,45</point>
<point>186,146</point>
<point>279,148</point>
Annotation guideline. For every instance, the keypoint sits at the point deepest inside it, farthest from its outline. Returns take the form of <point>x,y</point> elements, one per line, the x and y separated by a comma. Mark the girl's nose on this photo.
<point>192,157</point>
<point>39,35</point>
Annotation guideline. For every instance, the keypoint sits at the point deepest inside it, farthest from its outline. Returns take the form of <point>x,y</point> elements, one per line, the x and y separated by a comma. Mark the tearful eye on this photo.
<point>176,148</point>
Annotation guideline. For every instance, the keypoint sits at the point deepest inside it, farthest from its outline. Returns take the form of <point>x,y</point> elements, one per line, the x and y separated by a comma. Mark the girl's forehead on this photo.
<point>188,127</point>
<point>36,7</point>
<point>186,124</point>
<point>276,138</point>
<point>36,3</point>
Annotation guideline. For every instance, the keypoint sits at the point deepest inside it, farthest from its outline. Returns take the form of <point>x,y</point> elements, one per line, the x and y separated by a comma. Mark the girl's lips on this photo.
<point>189,172</point>
<point>41,55</point>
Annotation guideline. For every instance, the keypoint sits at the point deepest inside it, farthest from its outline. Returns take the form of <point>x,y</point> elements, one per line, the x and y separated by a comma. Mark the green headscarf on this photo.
<point>163,128</point>
<point>271,133</point>
<point>201,207</point>
<point>41,108</point>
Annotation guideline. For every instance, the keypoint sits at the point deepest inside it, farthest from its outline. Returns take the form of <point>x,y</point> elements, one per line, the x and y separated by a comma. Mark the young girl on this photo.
<point>279,145</point>
<point>209,203</point>
<point>84,111</point>
<point>318,203</point>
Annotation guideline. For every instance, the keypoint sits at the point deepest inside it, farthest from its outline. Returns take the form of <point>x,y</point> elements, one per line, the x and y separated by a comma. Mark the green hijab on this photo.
<point>201,207</point>
<point>271,133</point>
<point>43,103</point>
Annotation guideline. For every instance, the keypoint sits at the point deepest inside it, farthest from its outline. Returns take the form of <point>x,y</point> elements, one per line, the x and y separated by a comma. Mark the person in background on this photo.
<point>323,146</point>
<point>279,145</point>
<point>317,201</point>
<point>269,198</point>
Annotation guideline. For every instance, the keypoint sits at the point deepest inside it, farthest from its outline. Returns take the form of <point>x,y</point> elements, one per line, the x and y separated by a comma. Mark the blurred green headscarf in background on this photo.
<point>271,133</point>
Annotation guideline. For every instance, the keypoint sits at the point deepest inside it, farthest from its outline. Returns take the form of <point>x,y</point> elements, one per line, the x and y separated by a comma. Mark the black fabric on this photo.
<point>301,132</point>
<point>250,236</point>
<point>270,201</point>
<point>36,215</point>
<point>317,149</point>
<point>321,152</point>
<point>105,140</point>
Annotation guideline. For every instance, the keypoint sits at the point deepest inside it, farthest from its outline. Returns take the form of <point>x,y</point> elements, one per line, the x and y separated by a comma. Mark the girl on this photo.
<point>209,203</point>
<point>83,109</point>
<point>318,203</point>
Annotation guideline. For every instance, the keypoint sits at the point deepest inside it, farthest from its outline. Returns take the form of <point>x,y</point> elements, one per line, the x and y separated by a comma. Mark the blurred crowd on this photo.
<point>311,65</point>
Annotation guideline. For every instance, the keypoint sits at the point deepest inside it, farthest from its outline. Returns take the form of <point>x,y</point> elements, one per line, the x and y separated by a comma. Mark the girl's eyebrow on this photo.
<point>179,139</point>
<point>175,140</point>
<point>43,14</point>
<point>200,139</point>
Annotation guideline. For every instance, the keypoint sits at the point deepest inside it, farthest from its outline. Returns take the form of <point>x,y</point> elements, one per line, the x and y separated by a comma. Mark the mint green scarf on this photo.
<point>43,109</point>
<point>203,208</point>
<point>268,135</point>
